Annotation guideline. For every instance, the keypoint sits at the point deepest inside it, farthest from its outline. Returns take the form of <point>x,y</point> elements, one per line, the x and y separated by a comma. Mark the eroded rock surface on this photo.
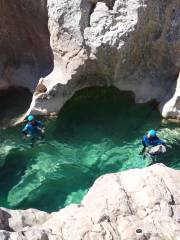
<point>133,45</point>
<point>25,53</point>
<point>172,108</point>
<point>136,204</point>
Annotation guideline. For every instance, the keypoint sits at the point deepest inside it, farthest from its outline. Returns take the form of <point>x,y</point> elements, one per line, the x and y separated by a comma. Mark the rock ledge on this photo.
<point>136,204</point>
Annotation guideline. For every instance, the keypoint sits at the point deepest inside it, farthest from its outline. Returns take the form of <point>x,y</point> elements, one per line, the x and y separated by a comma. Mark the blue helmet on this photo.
<point>152,133</point>
<point>31,118</point>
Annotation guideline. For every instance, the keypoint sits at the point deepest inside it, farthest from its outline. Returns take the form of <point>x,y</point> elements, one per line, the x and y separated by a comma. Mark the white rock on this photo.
<point>120,43</point>
<point>172,108</point>
<point>136,204</point>
<point>133,45</point>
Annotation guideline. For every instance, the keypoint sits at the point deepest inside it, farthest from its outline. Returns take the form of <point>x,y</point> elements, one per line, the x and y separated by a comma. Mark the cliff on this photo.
<point>25,53</point>
<point>133,45</point>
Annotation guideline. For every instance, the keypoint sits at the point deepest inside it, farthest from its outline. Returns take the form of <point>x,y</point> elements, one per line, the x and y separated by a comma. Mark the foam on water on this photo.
<point>98,131</point>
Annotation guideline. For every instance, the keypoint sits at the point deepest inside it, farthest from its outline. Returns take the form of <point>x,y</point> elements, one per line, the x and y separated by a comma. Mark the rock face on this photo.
<point>133,45</point>
<point>172,107</point>
<point>137,204</point>
<point>25,53</point>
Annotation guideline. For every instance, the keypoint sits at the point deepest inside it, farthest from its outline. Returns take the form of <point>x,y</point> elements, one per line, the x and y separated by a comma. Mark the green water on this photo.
<point>98,131</point>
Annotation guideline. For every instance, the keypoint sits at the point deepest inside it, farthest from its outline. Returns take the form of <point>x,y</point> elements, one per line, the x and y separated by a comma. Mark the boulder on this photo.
<point>135,204</point>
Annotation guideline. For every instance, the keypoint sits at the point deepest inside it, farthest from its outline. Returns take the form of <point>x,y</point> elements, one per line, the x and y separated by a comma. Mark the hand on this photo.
<point>42,130</point>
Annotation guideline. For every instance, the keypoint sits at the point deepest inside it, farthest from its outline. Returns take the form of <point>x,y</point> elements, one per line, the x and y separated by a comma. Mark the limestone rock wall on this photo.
<point>172,108</point>
<point>25,53</point>
<point>133,45</point>
<point>136,204</point>
<point>68,45</point>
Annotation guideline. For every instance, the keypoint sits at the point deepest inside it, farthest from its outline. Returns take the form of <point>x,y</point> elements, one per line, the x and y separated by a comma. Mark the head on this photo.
<point>31,118</point>
<point>151,133</point>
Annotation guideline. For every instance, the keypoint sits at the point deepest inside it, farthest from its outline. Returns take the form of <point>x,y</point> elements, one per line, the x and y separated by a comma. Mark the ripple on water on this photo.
<point>98,131</point>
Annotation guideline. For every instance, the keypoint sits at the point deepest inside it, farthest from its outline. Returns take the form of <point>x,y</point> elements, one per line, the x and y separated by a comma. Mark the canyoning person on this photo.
<point>152,140</point>
<point>34,129</point>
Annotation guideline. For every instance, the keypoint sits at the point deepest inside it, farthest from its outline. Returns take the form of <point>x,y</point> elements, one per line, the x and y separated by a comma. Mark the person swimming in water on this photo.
<point>151,140</point>
<point>34,129</point>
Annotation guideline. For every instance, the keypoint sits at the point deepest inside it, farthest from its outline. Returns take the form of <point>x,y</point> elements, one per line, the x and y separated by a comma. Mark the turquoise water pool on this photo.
<point>98,131</point>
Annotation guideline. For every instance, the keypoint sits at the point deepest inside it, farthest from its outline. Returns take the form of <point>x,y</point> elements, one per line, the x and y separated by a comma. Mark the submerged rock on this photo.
<point>136,204</point>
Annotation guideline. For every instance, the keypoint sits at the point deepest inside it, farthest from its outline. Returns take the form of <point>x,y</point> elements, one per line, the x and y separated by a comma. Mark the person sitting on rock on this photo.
<point>151,140</point>
<point>33,129</point>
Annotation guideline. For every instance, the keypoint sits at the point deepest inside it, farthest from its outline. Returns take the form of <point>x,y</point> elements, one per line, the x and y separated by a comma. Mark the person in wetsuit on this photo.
<point>33,129</point>
<point>152,140</point>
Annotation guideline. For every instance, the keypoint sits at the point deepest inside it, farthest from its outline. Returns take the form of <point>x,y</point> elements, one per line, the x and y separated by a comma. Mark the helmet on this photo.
<point>152,133</point>
<point>30,118</point>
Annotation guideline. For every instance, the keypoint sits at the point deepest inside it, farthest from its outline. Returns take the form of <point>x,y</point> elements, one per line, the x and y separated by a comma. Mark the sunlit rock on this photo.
<point>172,107</point>
<point>133,45</point>
<point>136,204</point>
<point>69,45</point>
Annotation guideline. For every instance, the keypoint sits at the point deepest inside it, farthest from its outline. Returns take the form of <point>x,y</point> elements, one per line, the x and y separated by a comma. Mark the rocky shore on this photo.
<point>135,204</point>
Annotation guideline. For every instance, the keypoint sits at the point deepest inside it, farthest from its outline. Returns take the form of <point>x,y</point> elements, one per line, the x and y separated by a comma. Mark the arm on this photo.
<point>145,141</point>
<point>40,124</point>
<point>144,145</point>
<point>162,142</point>
<point>158,141</point>
<point>25,130</point>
